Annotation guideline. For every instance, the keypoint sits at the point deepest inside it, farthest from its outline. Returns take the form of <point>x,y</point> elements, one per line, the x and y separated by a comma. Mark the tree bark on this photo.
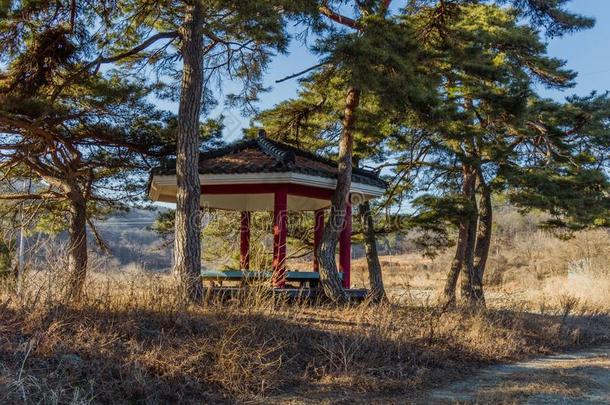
<point>377,293</point>
<point>187,252</point>
<point>484,233</point>
<point>469,293</point>
<point>329,276</point>
<point>77,247</point>
<point>462,243</point>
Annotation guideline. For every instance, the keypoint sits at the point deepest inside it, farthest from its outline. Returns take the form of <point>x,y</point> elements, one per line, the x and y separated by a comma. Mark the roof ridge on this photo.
<point>284,157</point>
<point>308,154</point>
<point>232,147</point>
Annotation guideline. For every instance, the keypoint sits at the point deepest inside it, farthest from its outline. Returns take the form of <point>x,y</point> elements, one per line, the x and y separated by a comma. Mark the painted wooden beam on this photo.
<point>292,189</point>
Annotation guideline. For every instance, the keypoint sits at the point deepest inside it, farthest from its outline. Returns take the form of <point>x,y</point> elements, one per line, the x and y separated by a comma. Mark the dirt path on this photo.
<point>575,378</point>
<point>581,377</point>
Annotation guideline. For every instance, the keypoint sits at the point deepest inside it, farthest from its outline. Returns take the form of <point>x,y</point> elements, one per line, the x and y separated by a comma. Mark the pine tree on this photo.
<point>490,62</point>
<point>82,141</point>
<point>377,58</point>
<point>312,121</point>
<point>565,172</point>
<point>215,40</point>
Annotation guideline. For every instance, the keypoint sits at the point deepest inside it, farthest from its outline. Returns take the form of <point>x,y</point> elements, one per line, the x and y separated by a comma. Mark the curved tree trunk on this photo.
<point>187,252</point>
<point>469,293</point>
<point>329,276</point>
<point>77,248</point>
<point>462,243</point>
<point>484,233</point>
<point>456,264</point>
<point>377,293</point>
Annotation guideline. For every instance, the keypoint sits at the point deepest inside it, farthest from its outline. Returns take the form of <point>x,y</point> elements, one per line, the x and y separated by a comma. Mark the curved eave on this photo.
<point>358,176</point>
<point>163,187</point>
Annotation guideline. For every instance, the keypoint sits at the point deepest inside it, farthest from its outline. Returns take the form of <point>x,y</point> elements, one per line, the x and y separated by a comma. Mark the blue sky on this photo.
<point>587,53</point>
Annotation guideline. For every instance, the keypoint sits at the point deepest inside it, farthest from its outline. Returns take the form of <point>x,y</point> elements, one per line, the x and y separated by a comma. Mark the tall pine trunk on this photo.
<point>377,293</point>
<point>484,233</point>
<point>77,247</point>
<point>469,289</point>
<point>187,251</point>
<point>449,293</point>
<point>329,276</point>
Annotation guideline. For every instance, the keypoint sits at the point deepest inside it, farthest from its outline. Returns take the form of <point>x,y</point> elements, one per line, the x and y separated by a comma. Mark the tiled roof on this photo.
<point>263,155</point>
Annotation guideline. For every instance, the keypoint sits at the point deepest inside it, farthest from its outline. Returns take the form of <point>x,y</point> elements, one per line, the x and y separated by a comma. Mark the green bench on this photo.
<point>301,277</point>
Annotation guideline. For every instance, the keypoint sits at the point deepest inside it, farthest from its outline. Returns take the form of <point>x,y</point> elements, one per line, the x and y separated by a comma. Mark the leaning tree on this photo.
<point>83,141</point>
<point>313,121</point>
<point>372,57</point>
<point>88,151</point>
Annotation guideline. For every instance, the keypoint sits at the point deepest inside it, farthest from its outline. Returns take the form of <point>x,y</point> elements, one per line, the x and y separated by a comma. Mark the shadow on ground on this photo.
<point>229,354</point>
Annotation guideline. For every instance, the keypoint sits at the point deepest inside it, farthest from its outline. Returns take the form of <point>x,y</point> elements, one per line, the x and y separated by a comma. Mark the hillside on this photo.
<point>132,243</point>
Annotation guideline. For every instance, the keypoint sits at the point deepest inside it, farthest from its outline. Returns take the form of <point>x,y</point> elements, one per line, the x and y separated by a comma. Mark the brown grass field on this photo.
<point>132,341</point>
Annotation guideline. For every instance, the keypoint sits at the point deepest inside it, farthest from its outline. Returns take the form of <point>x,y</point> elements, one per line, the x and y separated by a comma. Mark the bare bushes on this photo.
<point>554,268</point>
<point>526,266</point>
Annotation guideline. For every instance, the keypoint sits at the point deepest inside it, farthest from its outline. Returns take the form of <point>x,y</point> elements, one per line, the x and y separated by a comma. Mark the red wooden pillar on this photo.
<point>345,246</point>
<point>244,246</point>
<point>317,236</point>
<point>280,208</point>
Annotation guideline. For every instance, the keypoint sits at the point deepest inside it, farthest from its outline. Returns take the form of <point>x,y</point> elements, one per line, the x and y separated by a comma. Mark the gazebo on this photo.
<point>261,174</point>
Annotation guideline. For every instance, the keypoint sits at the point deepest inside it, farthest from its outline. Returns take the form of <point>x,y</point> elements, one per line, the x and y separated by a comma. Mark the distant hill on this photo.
<point>132,242</point>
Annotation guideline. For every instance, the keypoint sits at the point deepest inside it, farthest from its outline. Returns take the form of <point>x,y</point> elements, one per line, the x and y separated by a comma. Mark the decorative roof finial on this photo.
<point>284,157</point>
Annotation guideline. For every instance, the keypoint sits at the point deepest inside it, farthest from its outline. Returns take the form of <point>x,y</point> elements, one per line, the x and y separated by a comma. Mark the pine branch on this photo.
<point>16,121</point>
<point>133,51</point>
<point>103,245</point>
<point>28,196</point>
<point>385,6</point>
<point>338,18</point>
<point>309,69</point>
<point>100,60</point>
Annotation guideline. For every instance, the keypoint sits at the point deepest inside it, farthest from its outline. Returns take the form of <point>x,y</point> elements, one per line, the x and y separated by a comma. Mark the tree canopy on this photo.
<point>438,96</point>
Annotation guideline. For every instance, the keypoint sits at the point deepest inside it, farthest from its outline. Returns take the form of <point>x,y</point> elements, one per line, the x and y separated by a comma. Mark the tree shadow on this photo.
<point>223,354</point>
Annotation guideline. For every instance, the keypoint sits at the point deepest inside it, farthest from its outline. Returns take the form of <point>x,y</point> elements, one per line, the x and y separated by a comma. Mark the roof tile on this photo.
<point>263,155</point>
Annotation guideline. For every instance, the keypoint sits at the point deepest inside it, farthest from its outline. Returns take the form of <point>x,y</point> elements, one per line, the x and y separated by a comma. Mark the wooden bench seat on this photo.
<point>300,277</point>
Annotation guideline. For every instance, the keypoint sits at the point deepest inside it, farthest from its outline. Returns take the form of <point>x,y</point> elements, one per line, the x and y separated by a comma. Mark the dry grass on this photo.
<point>533,268</point>
<point>131,340</point>
<point>520,388</point>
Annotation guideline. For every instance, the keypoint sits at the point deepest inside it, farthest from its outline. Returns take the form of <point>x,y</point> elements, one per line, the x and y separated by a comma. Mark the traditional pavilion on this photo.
<point>265,175</point>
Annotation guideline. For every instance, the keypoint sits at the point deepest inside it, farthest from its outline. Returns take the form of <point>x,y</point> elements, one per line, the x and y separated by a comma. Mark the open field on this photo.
<point>533,268</point>
<point>136,345</point>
